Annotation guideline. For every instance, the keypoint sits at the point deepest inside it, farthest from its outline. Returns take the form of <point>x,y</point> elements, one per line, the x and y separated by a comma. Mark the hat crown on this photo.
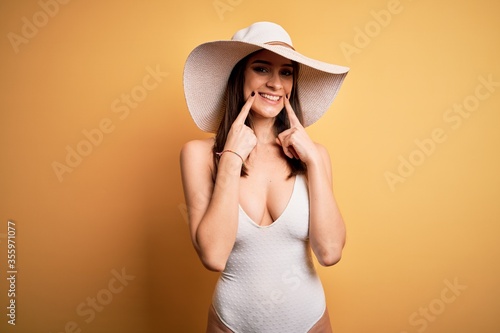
<point>262,33</point>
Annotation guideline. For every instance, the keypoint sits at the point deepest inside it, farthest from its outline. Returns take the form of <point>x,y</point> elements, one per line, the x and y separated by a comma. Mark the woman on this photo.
<point>259,194</point>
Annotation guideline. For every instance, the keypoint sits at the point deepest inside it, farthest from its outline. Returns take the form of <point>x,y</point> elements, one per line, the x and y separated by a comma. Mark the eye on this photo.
<point>286,72</point>
<point>260,69</point>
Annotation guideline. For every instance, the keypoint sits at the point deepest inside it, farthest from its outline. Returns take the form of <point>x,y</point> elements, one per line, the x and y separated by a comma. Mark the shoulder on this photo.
<point>325,158</point>
<point>197,152</point>
<point>323,151</point>
<point>202,146</point>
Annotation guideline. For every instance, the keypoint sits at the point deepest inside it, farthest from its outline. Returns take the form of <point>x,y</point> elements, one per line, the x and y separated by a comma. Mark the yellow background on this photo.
<point>121,209</point>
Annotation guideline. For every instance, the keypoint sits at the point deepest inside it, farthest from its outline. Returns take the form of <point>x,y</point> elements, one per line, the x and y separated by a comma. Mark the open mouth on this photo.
<point>270,97</point>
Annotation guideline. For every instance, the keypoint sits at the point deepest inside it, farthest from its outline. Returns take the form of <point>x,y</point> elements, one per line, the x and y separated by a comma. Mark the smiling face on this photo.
<point>271,77</point>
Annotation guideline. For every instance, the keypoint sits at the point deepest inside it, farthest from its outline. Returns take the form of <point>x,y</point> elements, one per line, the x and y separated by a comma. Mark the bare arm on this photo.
<point>213,206</point>
<point>326,228</point>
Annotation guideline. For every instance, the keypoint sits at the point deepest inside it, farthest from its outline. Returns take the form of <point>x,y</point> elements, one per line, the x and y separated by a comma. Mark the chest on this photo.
<point>265,196</point>
<point>291,224</point>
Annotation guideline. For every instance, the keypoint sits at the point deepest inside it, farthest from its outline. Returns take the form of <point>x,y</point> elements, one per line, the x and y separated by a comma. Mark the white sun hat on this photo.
<point>209,65</point>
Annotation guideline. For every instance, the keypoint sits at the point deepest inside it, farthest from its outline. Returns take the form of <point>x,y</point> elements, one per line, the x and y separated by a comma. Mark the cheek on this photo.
<point>252,81</point>
<point>251,84</point>
<point>247,85</point>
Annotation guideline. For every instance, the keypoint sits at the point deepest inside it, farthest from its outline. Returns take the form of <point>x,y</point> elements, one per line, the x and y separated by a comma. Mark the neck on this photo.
<point>264,130</point>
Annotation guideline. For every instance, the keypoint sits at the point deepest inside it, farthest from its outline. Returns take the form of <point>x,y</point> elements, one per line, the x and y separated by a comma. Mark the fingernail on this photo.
<point>253,93</point>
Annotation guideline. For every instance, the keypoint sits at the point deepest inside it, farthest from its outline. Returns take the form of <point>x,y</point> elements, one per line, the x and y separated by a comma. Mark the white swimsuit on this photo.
<point>270,284</point>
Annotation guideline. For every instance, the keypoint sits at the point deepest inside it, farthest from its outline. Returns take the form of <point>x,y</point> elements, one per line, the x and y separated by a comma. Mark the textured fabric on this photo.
<point>270,284</point>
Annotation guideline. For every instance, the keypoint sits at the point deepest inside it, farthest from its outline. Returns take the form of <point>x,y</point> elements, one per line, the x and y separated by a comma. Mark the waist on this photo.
<point>252,303</point>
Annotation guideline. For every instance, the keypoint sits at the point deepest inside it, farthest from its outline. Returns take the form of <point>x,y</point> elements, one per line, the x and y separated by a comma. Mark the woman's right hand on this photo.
<point>213,207</point>
<point>241,138</point>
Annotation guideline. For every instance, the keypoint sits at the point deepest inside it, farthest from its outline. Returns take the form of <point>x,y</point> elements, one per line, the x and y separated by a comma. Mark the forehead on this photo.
<point>270,57</point>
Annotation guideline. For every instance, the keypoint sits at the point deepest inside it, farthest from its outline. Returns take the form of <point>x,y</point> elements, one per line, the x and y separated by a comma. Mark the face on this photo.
<point>271,77</point>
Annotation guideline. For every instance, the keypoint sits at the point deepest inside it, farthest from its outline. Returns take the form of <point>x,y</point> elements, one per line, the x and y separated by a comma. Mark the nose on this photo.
<point>274,81</point>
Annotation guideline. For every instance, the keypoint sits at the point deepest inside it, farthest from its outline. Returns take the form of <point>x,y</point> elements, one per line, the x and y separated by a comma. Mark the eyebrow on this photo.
<point>264,62</point>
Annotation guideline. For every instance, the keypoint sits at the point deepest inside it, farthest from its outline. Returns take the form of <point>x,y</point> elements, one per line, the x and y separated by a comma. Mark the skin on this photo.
<point>265,192</point>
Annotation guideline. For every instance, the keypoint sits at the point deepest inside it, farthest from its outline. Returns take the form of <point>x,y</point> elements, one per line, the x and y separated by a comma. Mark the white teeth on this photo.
<point>270,97</point>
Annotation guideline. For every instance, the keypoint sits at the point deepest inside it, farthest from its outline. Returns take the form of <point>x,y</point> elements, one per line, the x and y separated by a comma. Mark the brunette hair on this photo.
<point>234,101</point>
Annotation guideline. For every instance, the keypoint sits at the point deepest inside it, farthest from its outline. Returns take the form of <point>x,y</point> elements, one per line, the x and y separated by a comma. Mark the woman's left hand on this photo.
<point>295,141</point>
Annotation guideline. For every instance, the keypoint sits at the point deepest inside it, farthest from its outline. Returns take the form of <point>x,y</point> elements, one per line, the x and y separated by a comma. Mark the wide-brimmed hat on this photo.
<point>209,65</point>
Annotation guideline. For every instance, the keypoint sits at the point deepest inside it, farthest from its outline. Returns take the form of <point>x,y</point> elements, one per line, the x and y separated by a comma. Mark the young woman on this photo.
<point>259,194</point>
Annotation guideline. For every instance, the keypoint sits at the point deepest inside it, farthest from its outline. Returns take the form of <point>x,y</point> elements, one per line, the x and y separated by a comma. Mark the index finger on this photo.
<point>294,120</point>
<point>242,116</point>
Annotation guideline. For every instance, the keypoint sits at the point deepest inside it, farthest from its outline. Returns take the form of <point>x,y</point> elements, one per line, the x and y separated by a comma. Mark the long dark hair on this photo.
<point>234,101</point>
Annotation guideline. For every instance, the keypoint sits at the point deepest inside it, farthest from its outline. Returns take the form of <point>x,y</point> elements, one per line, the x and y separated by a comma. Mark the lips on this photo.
<point>272,98</point>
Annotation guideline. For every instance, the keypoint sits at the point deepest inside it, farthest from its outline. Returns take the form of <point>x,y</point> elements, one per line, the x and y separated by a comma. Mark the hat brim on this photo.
<point>209,65</point>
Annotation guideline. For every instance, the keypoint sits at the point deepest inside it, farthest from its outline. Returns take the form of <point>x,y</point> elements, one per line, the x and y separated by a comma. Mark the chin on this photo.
<point>267,112</point>
<point>269,115</point>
